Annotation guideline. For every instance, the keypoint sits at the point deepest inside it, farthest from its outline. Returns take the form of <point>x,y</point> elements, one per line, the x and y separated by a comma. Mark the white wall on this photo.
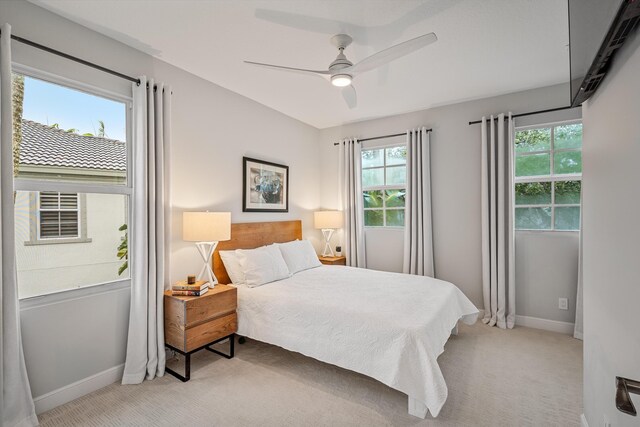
<point>51,266</point>
<point>611,245</point>
<point>68,340</point>
<point>455,157</point>
<point>546,269</point>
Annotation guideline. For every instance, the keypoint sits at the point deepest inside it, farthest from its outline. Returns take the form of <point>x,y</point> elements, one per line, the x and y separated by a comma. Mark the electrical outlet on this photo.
<point>563,303</point>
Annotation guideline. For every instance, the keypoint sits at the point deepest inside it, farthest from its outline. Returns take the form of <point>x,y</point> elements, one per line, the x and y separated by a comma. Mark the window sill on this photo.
<point>75,293</point>
<point>382,227</point>
<point>56,241</point>
<point>546,231</point>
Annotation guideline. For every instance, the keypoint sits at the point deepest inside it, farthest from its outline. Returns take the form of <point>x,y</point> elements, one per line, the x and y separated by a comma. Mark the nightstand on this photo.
<point>195,323</point>
<point>333,260</point>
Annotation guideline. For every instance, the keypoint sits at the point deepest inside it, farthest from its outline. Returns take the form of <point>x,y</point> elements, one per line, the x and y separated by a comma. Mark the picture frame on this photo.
<point>265,186</point>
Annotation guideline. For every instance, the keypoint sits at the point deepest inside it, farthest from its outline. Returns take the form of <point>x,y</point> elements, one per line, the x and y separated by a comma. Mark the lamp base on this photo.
<point>327,233</point>
<point>206,250</point>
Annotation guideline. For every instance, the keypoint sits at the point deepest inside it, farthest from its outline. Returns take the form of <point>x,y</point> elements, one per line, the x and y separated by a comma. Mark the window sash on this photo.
<point>37,185</point>
<point>548,178</point>
<point>384,166</point>
<point>556,150</point>
<point>553,218</point>
<point>552,177</point>
<point>384,208</point>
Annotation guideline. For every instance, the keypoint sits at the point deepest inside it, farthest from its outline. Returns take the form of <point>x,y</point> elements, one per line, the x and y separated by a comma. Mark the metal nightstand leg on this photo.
<point>187,367</point>
<point>187,356</point>
<point>232,339</point>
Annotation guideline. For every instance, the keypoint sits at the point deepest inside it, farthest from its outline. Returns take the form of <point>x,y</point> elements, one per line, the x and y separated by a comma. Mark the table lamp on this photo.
<point>206,229</point>
<point>328,222</point>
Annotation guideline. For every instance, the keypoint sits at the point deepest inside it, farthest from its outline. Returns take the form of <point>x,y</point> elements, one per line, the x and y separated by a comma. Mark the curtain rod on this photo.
<point>73,58</point>
<point>513,116</point>
<point>380,137</point>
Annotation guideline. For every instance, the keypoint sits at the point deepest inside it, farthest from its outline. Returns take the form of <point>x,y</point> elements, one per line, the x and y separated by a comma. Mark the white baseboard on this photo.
<point>583,421</point>
<point>547,325</point>
<point>78,389</point>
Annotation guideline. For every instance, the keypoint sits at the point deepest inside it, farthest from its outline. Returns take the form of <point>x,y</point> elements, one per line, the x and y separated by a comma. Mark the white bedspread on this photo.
<point>389,326</point>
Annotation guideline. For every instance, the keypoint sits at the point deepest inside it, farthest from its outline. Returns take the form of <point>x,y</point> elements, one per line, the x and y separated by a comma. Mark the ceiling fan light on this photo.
<point>341,80</point>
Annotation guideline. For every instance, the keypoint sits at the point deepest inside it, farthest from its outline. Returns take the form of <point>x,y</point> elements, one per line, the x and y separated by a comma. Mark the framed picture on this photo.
<point>265,186</point>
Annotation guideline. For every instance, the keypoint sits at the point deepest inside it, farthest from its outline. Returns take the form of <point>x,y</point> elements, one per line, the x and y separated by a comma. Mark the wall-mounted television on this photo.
<point>597,29</point>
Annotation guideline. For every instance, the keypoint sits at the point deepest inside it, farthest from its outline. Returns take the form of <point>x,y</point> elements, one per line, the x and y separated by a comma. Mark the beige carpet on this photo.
<point>522,377</point>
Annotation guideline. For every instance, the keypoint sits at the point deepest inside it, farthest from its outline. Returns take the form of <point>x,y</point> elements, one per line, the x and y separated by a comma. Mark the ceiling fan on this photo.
<point>341,71</point>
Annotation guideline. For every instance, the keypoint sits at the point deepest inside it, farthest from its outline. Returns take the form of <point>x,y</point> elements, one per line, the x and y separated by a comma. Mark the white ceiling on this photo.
<point>485,47</point>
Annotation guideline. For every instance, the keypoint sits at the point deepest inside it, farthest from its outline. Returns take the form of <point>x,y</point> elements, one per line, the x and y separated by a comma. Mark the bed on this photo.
<point>388,326</point>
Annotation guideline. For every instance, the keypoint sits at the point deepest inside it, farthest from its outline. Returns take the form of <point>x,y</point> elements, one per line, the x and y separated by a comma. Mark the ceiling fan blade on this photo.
<point>391,53</point>
<point>282,68</point>
<point>350,97</point>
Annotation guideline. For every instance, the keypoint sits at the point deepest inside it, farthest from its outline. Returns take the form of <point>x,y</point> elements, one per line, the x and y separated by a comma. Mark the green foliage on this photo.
<point>373,218</point>
<point>568,192</point>
<point>533,193</point>
<point>395,198</point>
<point>539,193</point>
<point>17,101</point>
<point>377,200</point>
<point>123,250</point>
<point>373,199</point>
<point>101,131</point>
<point>533,165</point>
<point>533,140</point>
<point>568,136</point>
<point>395,218</point>
<point>567,162</point>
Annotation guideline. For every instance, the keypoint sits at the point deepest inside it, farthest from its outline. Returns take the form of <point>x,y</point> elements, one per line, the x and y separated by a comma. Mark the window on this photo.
<point>384,177</point>
<point>72,185</point>
<point>548,169</point>
<point>58,215</point>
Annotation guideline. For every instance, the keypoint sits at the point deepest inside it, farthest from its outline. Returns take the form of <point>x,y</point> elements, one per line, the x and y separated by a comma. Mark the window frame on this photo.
<point>34,223</point>
<point>383,188</point>
<point>552,177</point>
<point>59,211</point>
<point>126,189</point>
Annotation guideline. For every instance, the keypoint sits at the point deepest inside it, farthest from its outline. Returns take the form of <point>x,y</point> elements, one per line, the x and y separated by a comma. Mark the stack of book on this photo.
<point>183,288</point>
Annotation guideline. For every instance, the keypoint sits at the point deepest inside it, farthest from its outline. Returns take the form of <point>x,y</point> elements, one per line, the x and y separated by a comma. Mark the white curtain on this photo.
<point>418,233</point>
<point>578,329</point>
<point>498,266</point>
<point>149,258</point>
<point>350,190</point>
<point>17,405</point>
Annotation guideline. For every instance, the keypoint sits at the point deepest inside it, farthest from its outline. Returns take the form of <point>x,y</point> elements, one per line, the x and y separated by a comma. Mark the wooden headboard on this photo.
<point>250,235</point>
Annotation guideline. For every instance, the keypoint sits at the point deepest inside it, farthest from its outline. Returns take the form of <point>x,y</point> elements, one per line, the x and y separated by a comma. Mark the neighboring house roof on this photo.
<point>43,145</point>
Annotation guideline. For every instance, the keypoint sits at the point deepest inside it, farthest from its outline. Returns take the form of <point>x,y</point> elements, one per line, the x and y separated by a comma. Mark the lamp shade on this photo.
<point>206,226</point>
<point>327,219</point>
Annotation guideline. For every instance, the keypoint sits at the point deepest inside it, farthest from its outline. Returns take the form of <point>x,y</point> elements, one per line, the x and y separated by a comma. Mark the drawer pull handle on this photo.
<point>624,386</point>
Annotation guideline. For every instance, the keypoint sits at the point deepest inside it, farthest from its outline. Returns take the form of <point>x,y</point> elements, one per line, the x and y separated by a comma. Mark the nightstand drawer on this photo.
<point>212,330</point>
<point>213,304</point>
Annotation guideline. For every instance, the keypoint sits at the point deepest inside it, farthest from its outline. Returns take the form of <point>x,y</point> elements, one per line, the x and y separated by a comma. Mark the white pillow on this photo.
<point>299,255</point>
<point>233,267</point>
<point>262,265</point>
